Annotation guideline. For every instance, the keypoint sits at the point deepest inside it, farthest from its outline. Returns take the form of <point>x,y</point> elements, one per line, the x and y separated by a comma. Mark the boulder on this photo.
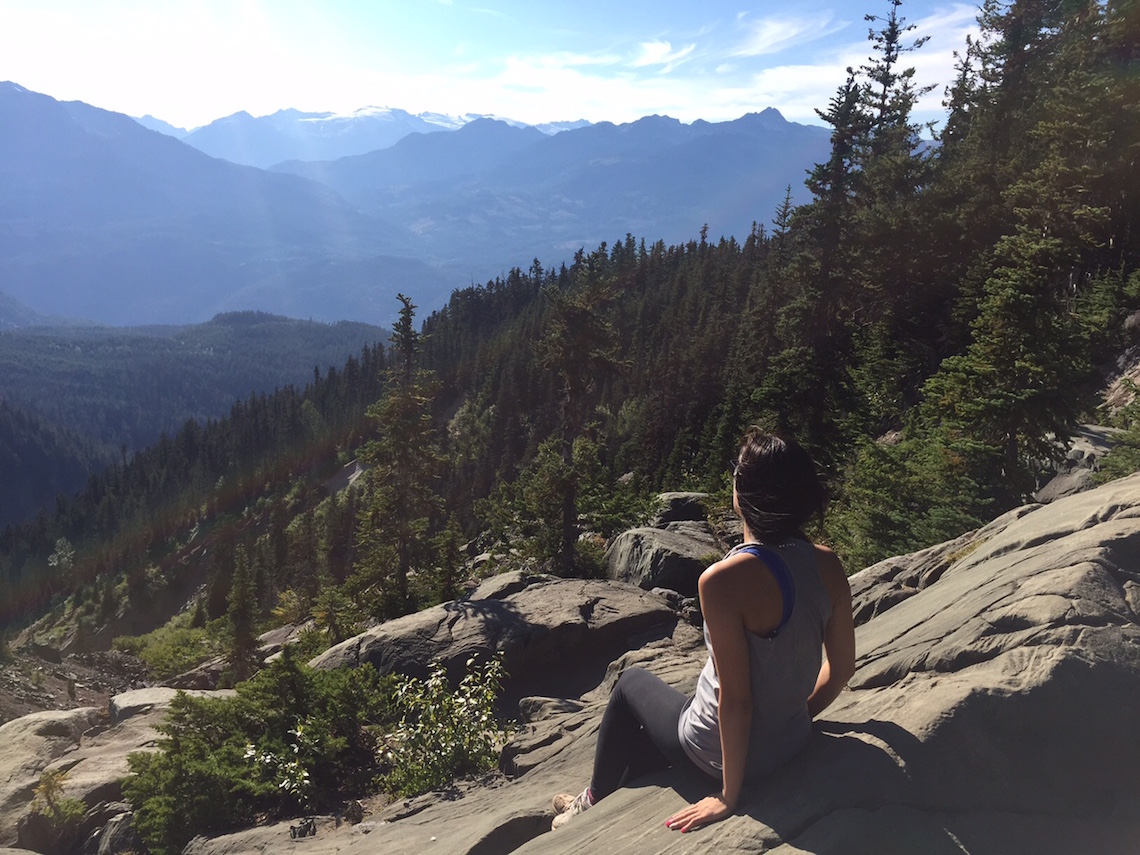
<point>201,677</point>
<point>680,507</point>
<point>97,766</point>
<point>117,836</point>
<point>662,558</point>
<point>28,745</point>
<point>90,748</point>
<point>992,711</point>
<point>1076,471</point>
<point>557,636</point>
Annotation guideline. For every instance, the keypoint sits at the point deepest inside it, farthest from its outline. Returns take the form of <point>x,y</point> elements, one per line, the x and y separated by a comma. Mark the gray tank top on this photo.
<point>784,668</point>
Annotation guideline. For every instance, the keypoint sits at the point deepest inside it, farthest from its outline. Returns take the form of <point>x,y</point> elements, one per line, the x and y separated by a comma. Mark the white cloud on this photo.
<point>662,53</point>
<point>772,35</point>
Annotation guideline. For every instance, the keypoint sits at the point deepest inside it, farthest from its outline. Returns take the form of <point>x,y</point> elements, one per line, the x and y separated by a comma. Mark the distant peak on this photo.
<point>769,117</point>
<point>9,86</point>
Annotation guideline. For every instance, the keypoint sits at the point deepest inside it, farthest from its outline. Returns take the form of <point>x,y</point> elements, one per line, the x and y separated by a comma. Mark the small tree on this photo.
<point>62,812</point>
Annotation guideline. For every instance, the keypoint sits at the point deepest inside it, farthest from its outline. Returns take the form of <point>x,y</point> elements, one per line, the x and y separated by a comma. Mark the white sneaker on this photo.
<point>568,806</point>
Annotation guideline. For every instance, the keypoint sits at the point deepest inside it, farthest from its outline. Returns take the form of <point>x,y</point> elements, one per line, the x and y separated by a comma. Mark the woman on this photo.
<point>771,607</point>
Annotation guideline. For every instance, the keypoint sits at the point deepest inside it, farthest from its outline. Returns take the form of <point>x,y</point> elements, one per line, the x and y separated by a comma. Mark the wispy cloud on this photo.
<point>577,60</point>
<point>662,53</point>
<point>771,35</point>
<point>483,10</point>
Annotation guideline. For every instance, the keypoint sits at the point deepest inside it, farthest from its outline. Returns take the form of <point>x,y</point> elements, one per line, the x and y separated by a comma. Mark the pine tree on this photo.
<point>393,533</point>
<point>579,348</point>
<point>1014,391</point>
<point>242,616</point>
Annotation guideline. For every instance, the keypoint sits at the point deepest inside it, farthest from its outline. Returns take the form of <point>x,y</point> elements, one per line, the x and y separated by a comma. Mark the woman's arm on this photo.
<point>720,605</point>
<point>838,635</point>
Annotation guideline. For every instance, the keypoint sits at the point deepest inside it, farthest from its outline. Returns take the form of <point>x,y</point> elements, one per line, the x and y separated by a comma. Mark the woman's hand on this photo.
<point>705,812</point>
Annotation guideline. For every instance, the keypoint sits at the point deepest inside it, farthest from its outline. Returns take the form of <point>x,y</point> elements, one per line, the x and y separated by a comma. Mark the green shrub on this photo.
<point>1124,456</point>
<point>62,812</point>
<point>445,734</point>
<point>172,649</point>
<point>292,740</point>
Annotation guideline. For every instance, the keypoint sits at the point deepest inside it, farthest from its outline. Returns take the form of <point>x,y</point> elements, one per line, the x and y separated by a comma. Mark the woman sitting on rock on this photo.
<point>771,607</point>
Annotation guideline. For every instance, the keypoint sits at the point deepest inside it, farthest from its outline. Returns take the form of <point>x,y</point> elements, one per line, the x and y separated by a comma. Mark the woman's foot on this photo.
<point>562,802</point>
<point>566,806</point>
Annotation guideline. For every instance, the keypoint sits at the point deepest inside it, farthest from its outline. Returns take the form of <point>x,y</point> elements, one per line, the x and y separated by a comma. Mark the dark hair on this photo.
<point>777,486</point>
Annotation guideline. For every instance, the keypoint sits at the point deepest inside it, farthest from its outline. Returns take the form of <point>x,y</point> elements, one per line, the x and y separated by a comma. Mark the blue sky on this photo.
<point>191,61</point>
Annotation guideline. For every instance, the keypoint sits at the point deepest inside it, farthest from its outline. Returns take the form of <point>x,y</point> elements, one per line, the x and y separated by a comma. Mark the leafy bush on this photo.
<point>293,739</point>
<point>445,734</point>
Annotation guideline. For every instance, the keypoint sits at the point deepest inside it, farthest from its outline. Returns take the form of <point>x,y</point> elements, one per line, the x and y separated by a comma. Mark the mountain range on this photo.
<point>490,191</point>
<point>264,141</point>
<point>105,219</point>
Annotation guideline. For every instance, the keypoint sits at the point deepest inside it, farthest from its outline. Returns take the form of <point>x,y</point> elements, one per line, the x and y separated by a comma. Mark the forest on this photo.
<point>73,399</point>
<point>933,325</point>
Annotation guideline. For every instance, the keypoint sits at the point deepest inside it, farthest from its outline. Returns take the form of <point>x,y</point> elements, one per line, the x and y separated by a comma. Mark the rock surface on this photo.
<point>993,711</point>
<point>556,635</point>
<point>662,558</point>
<point>28,745</point>
<point>1076,471</point>
<point>89,746</point>
<point>680,507</point>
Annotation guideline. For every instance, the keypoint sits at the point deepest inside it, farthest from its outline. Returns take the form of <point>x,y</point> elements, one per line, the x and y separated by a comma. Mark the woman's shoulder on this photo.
<point>831,573</point>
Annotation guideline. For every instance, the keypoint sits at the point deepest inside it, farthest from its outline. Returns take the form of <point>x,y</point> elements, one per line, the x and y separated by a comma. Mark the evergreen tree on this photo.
<point>400,506</point>
<point>242,616</point>
<point>579,349</point>
<point>1014,391</point>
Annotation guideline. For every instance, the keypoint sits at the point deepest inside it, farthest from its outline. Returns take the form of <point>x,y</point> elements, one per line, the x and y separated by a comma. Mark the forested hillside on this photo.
<point>38,461</point>
<point>932,325</point>
<point>125,386</point>
<point>77,398</point>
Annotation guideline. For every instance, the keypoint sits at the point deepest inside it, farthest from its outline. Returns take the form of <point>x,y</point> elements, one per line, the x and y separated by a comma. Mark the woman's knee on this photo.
<point>629,681</point>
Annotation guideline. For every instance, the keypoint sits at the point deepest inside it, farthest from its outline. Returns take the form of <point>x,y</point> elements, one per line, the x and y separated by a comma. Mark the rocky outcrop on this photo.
<point>680,507</point>
<point>1076,472</point>
<point>662,558</point>
<point>671,551</point>
<point>993,711</point>
<point>90,746</point>
<point>556,635</point>
<point>28,745</point>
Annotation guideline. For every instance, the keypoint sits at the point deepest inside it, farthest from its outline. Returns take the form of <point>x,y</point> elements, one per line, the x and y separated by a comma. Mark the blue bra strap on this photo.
<point>783,578</point>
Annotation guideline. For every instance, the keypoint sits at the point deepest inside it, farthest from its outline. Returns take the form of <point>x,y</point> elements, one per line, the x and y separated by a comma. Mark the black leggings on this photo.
<point>638,734</point>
